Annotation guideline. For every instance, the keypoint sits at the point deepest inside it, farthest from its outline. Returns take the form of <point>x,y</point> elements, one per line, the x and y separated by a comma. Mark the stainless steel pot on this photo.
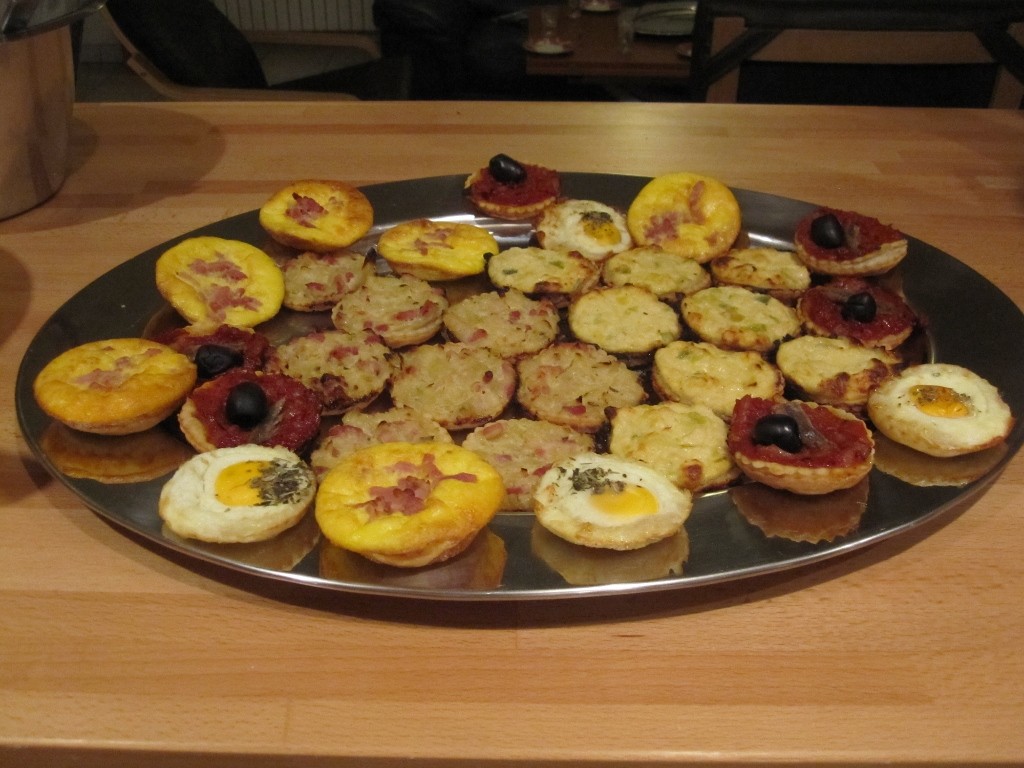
<point>37,93</point>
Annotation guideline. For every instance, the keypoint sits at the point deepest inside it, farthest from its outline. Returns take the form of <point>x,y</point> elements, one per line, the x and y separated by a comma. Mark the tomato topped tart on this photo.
<point>240,407</point>
<point>836,242</point>
<point>508,189</point>
<point>857,309</point>
<point>798,446</point>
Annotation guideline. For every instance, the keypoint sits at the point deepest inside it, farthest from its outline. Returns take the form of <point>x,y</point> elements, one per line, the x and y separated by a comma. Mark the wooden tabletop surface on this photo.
<point>909,651</point>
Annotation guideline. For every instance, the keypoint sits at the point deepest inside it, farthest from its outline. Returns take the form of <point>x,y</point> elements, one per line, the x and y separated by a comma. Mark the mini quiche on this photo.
<point>694,216</point>
<point>316,215</point>
<point>437,250</point>
<point>408,504</point>
<point>212,281</point>
<point>114,386</point>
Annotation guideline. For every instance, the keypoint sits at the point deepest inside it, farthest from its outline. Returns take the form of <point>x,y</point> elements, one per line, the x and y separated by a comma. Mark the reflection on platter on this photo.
<point>741,532</point>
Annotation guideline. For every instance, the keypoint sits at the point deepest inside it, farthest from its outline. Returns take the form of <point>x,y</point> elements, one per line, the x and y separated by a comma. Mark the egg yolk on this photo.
<point>942,402</point>
<point>632,500</point>
<point>238,485</point>
<point>599,226</point>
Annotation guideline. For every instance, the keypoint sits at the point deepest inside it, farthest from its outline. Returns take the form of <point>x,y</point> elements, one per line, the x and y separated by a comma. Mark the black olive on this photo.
<point>506,170</point>
<point>778,429</point>
<point>827,231</point>
<point>247,405</point>
<point>860,307</point>
<point>213,359</point>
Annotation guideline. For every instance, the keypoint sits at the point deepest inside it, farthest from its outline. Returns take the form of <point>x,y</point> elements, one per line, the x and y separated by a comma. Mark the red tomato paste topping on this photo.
<point>864,235</point>
<point>823,306</point>
<point>292,421</point>
<point>540,184</point>
<point>828,439</point>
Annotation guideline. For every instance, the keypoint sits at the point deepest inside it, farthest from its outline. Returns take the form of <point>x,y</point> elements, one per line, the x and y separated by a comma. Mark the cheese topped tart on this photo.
<point>778,273</point>
<point>835,242</point>
<point>437,250</point>
<point>691,215</point>
<point>347,370</point>
<point>522,450</point>
<point>798,446</point>
<point>316,215</point>
<point>542,273</point>
<point>314,282</point>
<point>114,386</point>
<point>402,310</point>
<point>694,372</point>
<point>608,502</point>
<point>731,317</point>
<point>589,228</point>
<point>408,504</point>
<point>508,189</point>
<point>941,409</point>
<point>237,495</point>
<point>836,372</point>
<point>857,309</point>
<point>214,281</point>
<point>359,429</point>
<point>574,384</point>
<point>457,385</point>
<point>507,322</point>
<point>686,443</point>
<point>628,320</point>
<point>667,275</point>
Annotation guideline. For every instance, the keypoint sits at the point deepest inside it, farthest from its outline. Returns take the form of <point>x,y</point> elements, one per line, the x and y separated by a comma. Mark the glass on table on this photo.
<point>627,28</point>
<point>549,15</point>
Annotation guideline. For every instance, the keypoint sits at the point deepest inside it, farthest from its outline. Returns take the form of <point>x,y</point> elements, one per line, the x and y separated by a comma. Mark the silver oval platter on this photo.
<point>968,321</point>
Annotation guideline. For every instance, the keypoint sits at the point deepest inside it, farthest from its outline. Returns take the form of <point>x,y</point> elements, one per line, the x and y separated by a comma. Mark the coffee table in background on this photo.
<point>597,55</point>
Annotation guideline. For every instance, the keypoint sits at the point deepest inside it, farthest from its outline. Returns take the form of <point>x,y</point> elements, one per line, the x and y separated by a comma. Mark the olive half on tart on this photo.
<point>857,309</point>
<point>835,242</point>
<point>241,407</point>
<point>798,446</point>
<point>508,189</point>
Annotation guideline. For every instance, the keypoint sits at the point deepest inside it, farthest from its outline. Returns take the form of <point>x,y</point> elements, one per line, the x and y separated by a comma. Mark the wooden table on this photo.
<point>596,52</point>
<point>114,653</point>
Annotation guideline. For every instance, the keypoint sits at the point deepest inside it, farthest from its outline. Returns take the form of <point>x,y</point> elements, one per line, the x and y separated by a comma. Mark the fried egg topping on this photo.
<point>940,409</point>
<point>608,502</point>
